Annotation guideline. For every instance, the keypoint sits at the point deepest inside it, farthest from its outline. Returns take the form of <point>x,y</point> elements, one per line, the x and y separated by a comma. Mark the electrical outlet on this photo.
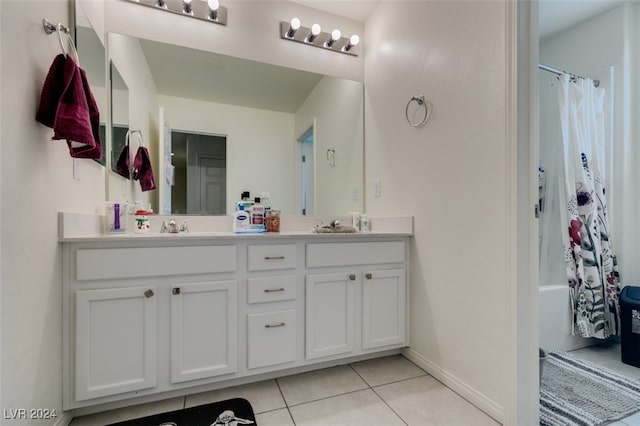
<point>356,195</point>
<point>377,188</point>
<point>76,169</point>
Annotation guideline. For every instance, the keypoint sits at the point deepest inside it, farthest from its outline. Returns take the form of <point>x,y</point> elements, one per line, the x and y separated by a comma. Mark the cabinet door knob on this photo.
<point>175,290</point>
<point>273,290</point>
<point>273,257</point>
<point>368,276</point>
<point>148,293</point>
<point>280,324</point>
<point>352,277</point>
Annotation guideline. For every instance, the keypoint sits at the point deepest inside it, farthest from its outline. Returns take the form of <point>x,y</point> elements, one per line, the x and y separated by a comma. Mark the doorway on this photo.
<point>200,174</point>
<point>305,159</point>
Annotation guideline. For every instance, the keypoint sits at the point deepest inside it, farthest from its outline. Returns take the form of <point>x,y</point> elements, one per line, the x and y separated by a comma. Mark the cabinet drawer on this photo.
<point>96,264</point>
<point>345,254</point>
<point>272,256</point>
<point>272,289</point>
<point>272,338</point>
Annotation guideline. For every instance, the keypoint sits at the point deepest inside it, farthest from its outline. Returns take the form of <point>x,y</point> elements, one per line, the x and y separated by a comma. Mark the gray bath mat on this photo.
<point>576,392</point>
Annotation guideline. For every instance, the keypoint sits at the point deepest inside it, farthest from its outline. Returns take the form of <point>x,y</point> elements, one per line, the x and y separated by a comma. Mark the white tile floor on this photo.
<point>386,391</point>
<point>608,355</point>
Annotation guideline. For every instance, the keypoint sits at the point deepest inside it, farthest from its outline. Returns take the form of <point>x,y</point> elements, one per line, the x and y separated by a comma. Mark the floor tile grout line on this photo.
<point>390,408</point>
<point>359,375</point>
<point>328,397</point>
<point>286,404</point>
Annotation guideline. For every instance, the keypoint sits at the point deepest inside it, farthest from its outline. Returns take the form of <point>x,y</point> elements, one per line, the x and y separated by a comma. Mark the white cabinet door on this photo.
<point>115,346</point>
<point>383,308</point>
<point>271,338</point>
<point>204,329</point>
<point>330,313</point>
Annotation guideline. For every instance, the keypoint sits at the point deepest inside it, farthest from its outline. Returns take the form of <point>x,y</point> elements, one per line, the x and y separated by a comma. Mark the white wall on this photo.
<point>335,128</point>
<point>450,175</point>
<point>260,146</point>
<point>37,183</point>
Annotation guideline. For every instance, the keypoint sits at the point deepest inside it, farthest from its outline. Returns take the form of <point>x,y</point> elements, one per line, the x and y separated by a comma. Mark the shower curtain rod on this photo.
<point>557,72</point>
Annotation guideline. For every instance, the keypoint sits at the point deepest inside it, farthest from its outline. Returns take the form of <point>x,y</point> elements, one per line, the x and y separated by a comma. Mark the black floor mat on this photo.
<point>234,412</point>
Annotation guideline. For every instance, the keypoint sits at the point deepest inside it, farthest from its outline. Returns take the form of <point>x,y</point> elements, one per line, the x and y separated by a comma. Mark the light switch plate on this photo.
<point>377,188</point>
<point>76,169</point>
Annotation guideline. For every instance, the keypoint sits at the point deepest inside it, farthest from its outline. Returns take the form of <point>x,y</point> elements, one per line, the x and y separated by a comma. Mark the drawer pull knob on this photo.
<point>175,291</point>
<point>273,290</point>
<point>280,324</point>
<point>368,276</point>
<point>352,277</point>
<point>273,257</point>
<point>148,293</point>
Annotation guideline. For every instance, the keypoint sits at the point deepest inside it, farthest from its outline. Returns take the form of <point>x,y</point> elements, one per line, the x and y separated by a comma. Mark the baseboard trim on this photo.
<point>64,418</point>
<point>469,393</point>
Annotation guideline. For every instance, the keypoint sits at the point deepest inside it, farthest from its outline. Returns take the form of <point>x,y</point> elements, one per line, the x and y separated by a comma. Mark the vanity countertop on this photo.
<point>74,227</point>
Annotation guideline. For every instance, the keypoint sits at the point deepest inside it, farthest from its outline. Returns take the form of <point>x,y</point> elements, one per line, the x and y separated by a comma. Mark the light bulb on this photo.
<point>315,30</point>
<point>213,9</point>
<point>353,41</point>
<point>294,25</point>
<point>335,36</point>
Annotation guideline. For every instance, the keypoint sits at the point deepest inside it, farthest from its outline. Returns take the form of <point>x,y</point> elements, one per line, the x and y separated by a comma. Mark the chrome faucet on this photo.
<point>172,227</point>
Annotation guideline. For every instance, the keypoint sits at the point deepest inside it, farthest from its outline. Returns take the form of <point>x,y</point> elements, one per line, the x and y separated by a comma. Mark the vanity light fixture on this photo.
<point>294,31</point>
<point>206,10</point>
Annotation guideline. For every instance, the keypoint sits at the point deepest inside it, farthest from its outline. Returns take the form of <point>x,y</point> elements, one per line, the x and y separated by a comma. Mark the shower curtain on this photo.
<point>588,254</point>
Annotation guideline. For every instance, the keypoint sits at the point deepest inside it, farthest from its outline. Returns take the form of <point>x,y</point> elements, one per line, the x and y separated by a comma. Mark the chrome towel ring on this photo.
<point>427,111</point>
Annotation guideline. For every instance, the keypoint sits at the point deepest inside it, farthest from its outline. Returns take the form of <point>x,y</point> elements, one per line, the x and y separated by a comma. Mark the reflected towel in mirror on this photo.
<point>142,170</point>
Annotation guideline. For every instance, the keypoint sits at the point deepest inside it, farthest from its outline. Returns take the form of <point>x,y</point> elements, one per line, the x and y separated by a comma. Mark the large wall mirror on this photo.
<point>91,52</point>
<point>217,126</point>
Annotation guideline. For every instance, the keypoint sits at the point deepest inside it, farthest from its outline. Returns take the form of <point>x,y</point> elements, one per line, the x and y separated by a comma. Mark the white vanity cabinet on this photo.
<point>115,335</point>
<point>161,316</point>
<point>204,330</point>
<point>272,305</point>
<point>361,304</point>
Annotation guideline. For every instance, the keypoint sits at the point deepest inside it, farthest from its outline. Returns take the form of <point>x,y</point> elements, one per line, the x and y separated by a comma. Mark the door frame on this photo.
<point>521,405</point>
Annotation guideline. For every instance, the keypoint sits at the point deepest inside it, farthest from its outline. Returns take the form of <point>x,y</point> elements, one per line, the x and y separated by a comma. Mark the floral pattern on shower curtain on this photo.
<point>590,260</point>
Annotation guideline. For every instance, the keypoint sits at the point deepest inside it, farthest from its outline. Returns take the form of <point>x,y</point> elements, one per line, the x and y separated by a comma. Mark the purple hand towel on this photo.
<point>54,86</point>
<point>68,106</point>
<point>142,170</point>
<point>123,165</point>
<point>79,149</point>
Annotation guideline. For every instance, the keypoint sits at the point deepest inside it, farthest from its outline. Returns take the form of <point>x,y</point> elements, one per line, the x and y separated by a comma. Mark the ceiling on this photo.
<point>554,15</point>
<point>196,74</point>
<point>557,15</point>
<point>358,10</point>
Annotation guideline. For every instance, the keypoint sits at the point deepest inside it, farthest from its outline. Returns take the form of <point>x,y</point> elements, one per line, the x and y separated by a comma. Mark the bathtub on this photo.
<point>555,320</point>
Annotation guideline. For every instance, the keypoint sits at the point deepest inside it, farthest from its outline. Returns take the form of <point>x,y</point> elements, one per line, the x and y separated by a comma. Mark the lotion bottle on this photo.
<point>241,220</point>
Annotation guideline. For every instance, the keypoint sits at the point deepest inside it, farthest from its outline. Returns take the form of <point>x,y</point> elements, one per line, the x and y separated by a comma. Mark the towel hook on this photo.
<point>49,28</point>
<point>427,110</point>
